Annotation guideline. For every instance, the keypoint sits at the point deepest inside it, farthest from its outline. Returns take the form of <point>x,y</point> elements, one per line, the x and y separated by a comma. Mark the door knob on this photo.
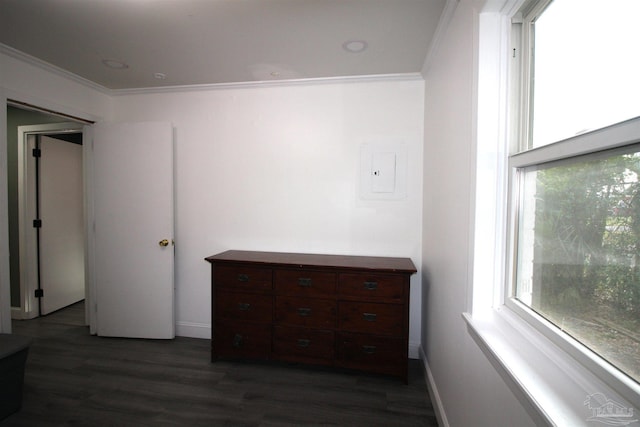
<point>163,243</point>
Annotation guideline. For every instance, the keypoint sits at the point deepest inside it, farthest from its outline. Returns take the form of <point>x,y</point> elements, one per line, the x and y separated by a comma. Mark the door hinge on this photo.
<point>39,293</point>
<point>37,223</point>
<point>36,152</point>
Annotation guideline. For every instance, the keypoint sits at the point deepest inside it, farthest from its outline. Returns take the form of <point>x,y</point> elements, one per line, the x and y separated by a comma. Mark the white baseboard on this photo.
<point>193,330</point>
<point>16,313</point>
<point>414,350</point>
<point>441,415</point>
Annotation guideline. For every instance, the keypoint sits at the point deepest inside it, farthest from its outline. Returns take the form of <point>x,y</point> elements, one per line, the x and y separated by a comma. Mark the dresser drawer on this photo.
<point>242,277</point>
<point>371,285</point>
<point>308,312</point>
<point>240,339</point>
<point>291,343</point>
<point>244,306</point>
<point>372,318</point>
<point>379,354</point>
<point>304,283</point>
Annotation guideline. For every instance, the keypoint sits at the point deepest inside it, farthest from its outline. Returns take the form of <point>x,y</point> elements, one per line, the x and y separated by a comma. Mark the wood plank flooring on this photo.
<point>75,379</point>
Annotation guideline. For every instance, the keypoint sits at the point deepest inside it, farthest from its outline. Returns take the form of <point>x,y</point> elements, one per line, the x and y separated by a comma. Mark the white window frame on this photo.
<point>618,135</point>
<point>550,373</point>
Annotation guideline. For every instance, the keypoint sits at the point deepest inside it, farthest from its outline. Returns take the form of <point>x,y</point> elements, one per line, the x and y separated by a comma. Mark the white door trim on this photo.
<point>90,305</point>
<point>5,278</point>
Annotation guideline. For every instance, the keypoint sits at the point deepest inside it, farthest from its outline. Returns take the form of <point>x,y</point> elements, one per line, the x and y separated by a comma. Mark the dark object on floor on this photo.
<point>13,356</point>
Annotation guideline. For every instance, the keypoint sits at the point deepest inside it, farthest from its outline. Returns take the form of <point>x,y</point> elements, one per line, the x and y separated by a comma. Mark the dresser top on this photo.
<point>388,264</point>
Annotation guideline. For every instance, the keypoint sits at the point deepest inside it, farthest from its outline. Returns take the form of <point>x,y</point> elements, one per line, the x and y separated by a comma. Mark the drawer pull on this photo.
<point>237,341</point>
<point>243,306</point>
<point>369,349</point>
<point>302,343</point>
<point>369,317</point>
<point>371,286</point>
<point>304,282</point>
<point>243,278</point>
<point>304,311</point>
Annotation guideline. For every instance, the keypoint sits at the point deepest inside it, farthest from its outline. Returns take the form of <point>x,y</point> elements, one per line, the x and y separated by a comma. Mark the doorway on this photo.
<point>46,213</point>
<point>54,199</point>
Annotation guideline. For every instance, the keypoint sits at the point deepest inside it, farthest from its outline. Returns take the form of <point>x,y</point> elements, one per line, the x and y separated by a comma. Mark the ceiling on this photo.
<point>161,43</point>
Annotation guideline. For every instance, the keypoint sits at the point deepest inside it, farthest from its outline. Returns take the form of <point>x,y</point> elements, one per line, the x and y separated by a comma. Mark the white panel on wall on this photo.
<point>383,171</point>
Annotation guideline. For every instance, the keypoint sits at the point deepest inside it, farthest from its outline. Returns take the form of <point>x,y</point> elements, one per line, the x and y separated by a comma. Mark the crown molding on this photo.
<point>438,36</point>
<point>43,65</point>
<point>271,83</point>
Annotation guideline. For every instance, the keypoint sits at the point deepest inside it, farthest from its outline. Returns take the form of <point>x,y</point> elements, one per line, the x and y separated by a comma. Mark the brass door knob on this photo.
<point>163,243</point>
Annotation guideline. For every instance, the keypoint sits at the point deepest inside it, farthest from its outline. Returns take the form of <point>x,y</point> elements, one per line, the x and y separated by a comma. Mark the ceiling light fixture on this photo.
<point>355,46</point>
<point>114,64</point>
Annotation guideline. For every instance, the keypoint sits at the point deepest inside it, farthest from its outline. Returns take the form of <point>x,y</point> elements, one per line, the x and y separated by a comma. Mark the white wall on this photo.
<point>276,169</point>
<point>466,387</point>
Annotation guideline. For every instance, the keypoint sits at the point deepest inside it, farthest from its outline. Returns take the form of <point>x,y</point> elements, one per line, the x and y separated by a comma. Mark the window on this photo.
<point>576,175</point>
<point>584,67</point>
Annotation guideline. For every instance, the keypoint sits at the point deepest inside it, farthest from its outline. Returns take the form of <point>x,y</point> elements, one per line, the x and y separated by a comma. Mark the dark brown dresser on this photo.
<point>344,311</point>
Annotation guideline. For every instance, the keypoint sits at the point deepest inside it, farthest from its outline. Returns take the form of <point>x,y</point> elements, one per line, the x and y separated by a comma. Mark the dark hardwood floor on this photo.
<point>73,378</point>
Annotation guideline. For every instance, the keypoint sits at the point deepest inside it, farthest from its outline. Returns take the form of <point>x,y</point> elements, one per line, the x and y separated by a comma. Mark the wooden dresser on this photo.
<point>343,311</point>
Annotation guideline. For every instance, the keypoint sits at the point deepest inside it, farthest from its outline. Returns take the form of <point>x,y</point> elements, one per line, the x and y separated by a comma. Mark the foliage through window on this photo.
<point>578,210</point>
<point>579,262</point>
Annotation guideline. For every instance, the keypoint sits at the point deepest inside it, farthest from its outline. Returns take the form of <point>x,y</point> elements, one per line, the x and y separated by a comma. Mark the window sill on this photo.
<point>550,384</point>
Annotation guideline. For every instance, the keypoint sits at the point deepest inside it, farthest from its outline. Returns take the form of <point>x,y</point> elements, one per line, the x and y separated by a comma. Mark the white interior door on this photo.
<point>132,207</point>
<point>62,231</point>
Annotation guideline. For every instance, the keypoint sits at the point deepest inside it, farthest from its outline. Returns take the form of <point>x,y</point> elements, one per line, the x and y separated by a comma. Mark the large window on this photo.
<point>576,180</point>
